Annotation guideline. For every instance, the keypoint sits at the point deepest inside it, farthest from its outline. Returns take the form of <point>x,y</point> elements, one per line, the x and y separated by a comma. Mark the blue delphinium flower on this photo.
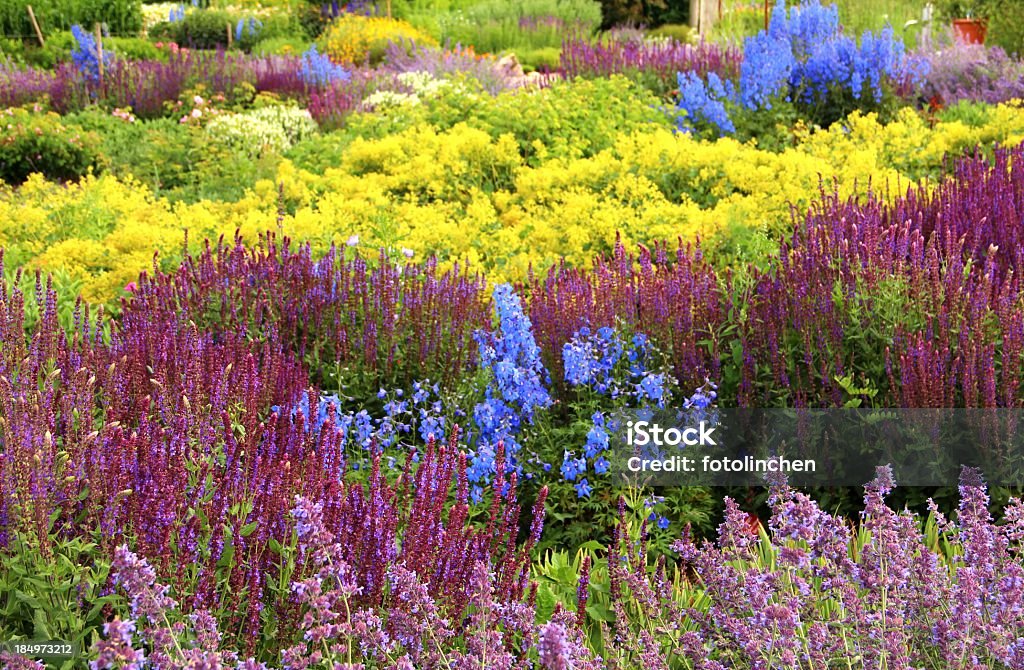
<point>705,101</point>
<point>768,63</point>
<point>583,489</point>
<point>516,387</point>
<point>590,358</point>
<point>318,70</point>
<point>803,56</point>
<point>85,55</point>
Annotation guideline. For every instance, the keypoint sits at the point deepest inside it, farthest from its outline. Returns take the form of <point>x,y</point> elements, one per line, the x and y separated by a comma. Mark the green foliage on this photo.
<point>543,59</point>
<point>557,576</point>
<point>203,29</point>
<point>58,48</point>
<point>675,31</point>
<point>53,591</point>
<point>281,46</point>
<point>160,154</point>
<point>121,17</point>
<point>903,15</point>
<point>174,160</point>
<point>494,26</point>
<point>738,24</point>
<point>970,113</point>
<point>569,119</point>
<point>962,9</point>
<point>1006,28</point>
<point>134,48</point>
<point>39,142</point>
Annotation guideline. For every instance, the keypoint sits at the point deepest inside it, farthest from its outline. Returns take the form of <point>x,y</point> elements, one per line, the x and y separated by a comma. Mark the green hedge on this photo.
<point>122,17</point>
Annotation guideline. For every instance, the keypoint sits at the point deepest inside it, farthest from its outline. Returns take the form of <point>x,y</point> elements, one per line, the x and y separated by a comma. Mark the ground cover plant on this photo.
<point>318,322</point>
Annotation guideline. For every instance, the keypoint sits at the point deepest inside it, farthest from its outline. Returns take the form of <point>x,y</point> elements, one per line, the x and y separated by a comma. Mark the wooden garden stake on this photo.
<point>766,15</point>
<point>389,8</point>
<point>230,36</point>
<point>99,49</point>
<point>35,24</point>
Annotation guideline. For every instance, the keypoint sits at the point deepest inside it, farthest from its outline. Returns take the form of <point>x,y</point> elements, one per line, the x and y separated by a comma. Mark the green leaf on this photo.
<point>40,627</point>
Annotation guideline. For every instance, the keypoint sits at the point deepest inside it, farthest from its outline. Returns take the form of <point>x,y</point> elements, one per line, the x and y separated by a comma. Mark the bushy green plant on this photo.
<point>203,29</point>
<point>546,58</point>
<point>121,17</point>
<point>973,114</point>
<point>172,159</point>
<point>675,31</point>
<point>134,48</point>
<point>53,590</point>
<point>12,50</point>
<point>39,142</point>
<point>280,46</point>
<point>58,48</point>
<point>569,119</point>
<point>1006,28</point>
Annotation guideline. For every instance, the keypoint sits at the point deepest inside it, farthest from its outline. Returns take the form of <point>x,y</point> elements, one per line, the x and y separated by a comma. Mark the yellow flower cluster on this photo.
<point>463,195</point>
<point>352,38</point>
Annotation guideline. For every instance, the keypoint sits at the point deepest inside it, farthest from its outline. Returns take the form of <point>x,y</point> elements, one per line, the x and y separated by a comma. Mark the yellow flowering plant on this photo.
<point>354,39</point>
<point>466,193</point>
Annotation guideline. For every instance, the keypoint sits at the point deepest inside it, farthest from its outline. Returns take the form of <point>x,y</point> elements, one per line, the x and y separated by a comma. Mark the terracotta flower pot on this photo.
<point>970,31</point>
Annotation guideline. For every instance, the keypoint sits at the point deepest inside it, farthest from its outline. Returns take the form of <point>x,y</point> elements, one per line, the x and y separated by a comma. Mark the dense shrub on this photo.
<point>568,119</point>
<point>203,29</point>
<point>122,17</point>
<point>33,142</point>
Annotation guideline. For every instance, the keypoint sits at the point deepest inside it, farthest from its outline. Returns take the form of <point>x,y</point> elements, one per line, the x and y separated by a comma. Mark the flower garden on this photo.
<point>317,322</point>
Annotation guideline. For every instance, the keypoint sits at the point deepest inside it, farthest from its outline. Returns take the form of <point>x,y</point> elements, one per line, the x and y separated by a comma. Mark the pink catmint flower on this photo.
<point>11,661</point>
<point>553,647</point>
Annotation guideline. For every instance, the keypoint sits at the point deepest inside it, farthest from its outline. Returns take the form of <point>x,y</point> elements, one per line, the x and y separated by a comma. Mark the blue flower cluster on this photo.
<point>602,361</point>
<point>652,503</point>
<point>247,27</point>
<point>804,56</point>
<point>768,62</point>
<point>589,359</point>
<point>421,413</point>
<point>85,55</point>
<point>516,386</point>
<point>319,71</point>
<point>176,14</point>
<point>592,359</point>
<point>705,101</point>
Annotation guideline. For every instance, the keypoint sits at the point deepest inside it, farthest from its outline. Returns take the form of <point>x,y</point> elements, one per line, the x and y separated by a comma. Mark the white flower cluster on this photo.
<point>273,129</point>
<point>421,85</point>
